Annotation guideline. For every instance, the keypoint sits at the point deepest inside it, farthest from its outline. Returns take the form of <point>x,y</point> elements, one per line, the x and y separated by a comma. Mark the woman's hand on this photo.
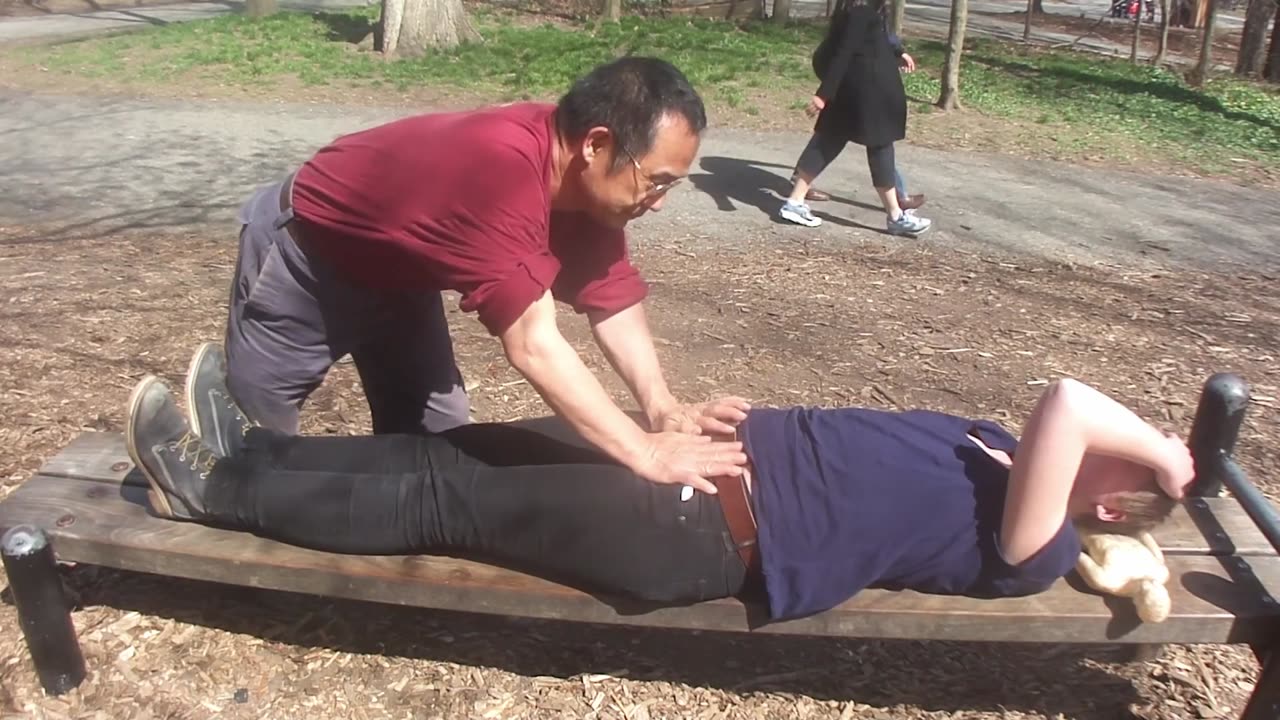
<point>1177,469</point>
<point>816,104</point>
<point>907,62</point>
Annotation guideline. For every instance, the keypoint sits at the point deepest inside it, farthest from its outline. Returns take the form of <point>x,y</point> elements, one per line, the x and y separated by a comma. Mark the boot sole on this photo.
<point>155,493</point>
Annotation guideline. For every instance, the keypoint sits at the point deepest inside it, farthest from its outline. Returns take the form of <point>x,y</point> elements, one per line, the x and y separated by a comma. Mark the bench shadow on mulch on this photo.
<point>933,676</point>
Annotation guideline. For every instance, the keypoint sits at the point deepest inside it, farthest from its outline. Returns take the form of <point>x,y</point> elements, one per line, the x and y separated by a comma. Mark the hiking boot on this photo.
<point>800,214</point>
<point>908,224</point>
<point>214,414</point>
<point>174,459</point>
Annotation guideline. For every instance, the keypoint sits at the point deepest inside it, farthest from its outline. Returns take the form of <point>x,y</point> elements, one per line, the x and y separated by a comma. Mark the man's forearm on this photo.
<point>627,343</point>
<point>542,355</point>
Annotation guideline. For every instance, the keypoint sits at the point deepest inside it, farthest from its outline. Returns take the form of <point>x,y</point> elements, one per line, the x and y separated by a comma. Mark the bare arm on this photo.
<point>625,339</point>
<point>627,343</point>
<point>535,347</point>
<point>1070,420</point>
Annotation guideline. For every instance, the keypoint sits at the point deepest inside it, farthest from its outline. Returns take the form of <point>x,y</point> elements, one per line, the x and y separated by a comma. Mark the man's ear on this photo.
<point>597,145</point>
<point>1106,514</point>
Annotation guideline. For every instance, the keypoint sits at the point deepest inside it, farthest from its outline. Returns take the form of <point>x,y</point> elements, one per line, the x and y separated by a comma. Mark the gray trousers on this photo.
<point>290,317</point>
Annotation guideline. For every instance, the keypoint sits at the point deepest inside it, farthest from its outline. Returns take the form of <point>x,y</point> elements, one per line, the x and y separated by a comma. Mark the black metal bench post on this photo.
<point>1213,439</point>
<point>43,610</point>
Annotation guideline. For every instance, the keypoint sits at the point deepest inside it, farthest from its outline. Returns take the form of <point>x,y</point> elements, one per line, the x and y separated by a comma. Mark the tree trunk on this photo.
<point>950,96</point>
<point>781,11</point>
<point>1201,71</point>
<point>260,8</point>
<point>895,18</point>
<point>411,27</point>
<point>1137,35</point>
<point>1026,23</point>
<point>1254,36</point>
<point>1162,46</point>
<point>612,10</point>
<point>1271,71</point>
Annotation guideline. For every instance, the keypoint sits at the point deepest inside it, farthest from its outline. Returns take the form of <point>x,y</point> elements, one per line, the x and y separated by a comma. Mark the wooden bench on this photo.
<point>91,503</point>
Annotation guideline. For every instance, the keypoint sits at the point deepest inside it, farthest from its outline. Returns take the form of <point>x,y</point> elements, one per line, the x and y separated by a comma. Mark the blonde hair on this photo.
<point>1143,510</point>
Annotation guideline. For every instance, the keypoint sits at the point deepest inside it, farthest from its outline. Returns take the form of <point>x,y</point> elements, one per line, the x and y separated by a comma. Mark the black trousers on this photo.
<point>822,150</point>
<point>531,495</point>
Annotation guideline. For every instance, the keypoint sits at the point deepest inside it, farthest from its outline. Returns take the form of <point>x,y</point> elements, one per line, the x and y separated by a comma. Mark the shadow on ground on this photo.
<point>959,676</point>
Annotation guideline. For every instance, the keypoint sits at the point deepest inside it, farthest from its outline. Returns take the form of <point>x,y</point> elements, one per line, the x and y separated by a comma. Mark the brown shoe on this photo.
<point>816,195</point>
<point>912,202</point>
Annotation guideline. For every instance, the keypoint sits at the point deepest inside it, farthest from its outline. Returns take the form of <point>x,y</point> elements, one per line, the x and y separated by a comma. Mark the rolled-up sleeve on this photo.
<point>596,274</point>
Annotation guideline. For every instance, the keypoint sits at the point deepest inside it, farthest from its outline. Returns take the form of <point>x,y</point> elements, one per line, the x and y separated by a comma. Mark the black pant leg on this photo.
<point>881,163</point>
<point>561,512</point>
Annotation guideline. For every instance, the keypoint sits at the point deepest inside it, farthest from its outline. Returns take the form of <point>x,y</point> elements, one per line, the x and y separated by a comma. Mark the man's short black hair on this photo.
<point>629,96</point>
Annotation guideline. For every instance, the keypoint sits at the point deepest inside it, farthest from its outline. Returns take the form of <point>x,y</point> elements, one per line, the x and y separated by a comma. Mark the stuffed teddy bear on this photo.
<point>1127,566</point>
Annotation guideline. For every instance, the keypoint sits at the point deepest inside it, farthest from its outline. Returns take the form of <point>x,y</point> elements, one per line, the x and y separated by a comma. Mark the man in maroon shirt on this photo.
<point>513,207</point>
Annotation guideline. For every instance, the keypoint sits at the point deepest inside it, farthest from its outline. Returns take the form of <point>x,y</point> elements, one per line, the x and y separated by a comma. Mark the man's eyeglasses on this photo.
<point>654,189</point>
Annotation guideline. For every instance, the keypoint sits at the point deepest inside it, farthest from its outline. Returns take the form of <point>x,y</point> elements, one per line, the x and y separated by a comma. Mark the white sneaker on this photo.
<point>908,224</point>
<point>800,214</point>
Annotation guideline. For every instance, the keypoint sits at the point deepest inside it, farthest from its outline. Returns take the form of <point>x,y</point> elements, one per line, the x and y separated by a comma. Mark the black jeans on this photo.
<point>822,150</point>
<point>530,494</point>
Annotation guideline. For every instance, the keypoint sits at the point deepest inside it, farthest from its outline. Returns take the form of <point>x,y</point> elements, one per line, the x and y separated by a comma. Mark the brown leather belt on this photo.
<point>735,501</point>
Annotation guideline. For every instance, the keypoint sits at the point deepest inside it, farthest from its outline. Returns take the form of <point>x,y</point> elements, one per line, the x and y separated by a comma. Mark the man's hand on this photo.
<point>907,62</point>
<point>718,417</point>
<point>816,105</point>
<point>1177,469</point>
<point>672,458</point>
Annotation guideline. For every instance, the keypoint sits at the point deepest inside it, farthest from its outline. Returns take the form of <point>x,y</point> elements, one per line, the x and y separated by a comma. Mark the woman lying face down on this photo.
<point>840,499</point>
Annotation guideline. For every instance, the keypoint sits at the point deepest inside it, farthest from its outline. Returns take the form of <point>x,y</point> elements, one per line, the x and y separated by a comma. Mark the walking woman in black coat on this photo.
<point>860,100</point>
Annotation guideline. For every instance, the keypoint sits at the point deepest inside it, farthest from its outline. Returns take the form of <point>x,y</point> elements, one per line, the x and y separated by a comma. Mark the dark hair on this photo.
<point>630,96</point>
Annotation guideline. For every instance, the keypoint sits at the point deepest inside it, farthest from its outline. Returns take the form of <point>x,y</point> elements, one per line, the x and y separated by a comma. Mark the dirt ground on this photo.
<point>782,322</point>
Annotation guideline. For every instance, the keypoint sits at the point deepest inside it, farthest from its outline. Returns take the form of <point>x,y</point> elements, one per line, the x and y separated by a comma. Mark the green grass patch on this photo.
<point>1092,98</point>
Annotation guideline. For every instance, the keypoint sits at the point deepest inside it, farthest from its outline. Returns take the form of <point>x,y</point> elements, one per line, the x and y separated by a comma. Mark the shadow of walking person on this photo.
<point>733,181</point>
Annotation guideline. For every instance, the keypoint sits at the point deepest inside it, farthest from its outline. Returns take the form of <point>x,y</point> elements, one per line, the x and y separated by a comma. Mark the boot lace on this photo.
<point>192,450</point>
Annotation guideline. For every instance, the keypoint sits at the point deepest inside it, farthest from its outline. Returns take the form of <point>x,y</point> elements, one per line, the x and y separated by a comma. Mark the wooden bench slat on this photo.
<point>1201,526</point>
<point>98,522</point>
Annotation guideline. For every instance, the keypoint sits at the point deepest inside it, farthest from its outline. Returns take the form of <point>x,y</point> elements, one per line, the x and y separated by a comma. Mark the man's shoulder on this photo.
<point>484,134</point>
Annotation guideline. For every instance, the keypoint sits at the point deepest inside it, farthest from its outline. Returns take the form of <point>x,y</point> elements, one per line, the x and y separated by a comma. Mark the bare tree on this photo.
<point>1271,71</point>
<point>1137,35</point>
<point>895,19</point>
<point>1162,47</point>
<point>781,11</point>
<point>1201,71</point>
<point>1034,7</point>
<point>261,8</point>
<point>411,27</point>
<point>949,99</point>
<point>613,10</point>
<point>1253,39</point>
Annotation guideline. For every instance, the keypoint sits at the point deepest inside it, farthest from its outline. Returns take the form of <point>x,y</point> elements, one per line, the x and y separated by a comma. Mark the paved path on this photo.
<point>43,28</point>
<point>94,167</point>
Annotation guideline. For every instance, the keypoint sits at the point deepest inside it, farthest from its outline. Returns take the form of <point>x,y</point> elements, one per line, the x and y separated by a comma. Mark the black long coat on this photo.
<point>861,85</point>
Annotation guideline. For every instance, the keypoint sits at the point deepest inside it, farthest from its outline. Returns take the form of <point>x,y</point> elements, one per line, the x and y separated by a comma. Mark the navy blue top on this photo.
<point>853,498</point>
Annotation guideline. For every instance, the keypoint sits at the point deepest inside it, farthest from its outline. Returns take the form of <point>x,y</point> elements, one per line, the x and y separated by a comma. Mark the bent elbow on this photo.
<point>1066,397</point>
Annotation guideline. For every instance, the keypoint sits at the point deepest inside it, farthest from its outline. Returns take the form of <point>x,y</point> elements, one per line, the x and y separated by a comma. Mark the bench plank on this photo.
<point>1201,526</point>
<point>102,522</point>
